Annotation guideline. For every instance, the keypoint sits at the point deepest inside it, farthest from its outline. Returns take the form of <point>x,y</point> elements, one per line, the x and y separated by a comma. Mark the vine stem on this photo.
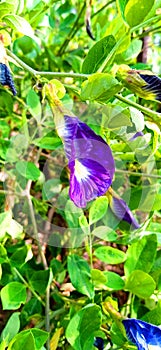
<point>151,176</point>
<point>145,110</point>
<point>72,31</point>
<point>37,73</point>
<point>154,115</point>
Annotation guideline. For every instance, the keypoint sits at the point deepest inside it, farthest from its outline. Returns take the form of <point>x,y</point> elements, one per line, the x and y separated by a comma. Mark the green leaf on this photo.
<point>3,345</point>
<point>28,170</point>
<point>11,328</point>
<point>140,284</point>
<point>157,202</point>
<point>10,226</point>
<point>117,336</point>
<point>114,281</point>
<point>4,129</point>
<point>72,214</point>
<point>3,254</point>
<point>8,6</point>
<point>98,278</point>
<point>153,316</point>
<point>51,188</point>
<point>13,295</point>
<point>133,50</point>
<point>116,117</point>
<point>40,280</point>
<point>83,326</point>
<point>20,24</point>
<point>105,233</point>
<point>32,308</point>
<point>31,339</point>
<point>50,141</point>
<point>121,4</point>
<point>110,255</point>
<point>84,224</point>
<point>136,11</point>
<point>100,86</point>
<point>97,54</point>
<point>98,209</point>
<point>18,257</point>
<point>5,219</point>
<point>77,266</point>
<point>34,104</point>
<point>141,255</point>
<point>23,341</point>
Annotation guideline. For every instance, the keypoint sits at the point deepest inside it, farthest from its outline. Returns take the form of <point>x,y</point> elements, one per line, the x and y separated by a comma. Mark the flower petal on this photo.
<point>122,211</point>
<point>143,334</point>
<point>91,162</point>
<point>92,181</point>
<point>99,343</point>
<point>6,78</point>
<point>137,134</point>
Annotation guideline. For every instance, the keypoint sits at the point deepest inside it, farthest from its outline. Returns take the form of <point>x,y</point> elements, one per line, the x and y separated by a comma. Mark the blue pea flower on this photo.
<point>90,160</point>
<point>144,335</point>
<point>99,343</point>
<point>137,134</point>
<point>121,210</point>
<point>6,78</point>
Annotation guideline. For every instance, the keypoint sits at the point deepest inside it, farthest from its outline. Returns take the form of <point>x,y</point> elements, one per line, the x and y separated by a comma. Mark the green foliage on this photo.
<point>110,255</point>
<point>13,295</point>
<point>81,328</point>
<point>97,54</point>
<point>78,267</point>
<point>140,284</point>
<point>100,87</point>
<point>62,266</point>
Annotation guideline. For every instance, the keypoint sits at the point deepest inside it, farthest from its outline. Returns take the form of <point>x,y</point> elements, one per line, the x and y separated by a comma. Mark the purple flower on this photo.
<point>144,335</point>
<point>121,210</point>
<point>138,133</point>
<point>6,78</point>
<point>90,161</point>
<point>98,343</point>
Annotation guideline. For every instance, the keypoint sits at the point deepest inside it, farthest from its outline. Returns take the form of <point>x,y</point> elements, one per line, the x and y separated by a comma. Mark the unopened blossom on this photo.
<point>121,210</point>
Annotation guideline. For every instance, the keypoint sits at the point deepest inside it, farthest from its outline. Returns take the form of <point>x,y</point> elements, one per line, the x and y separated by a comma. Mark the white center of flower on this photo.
<point>154,347</point>
<point>81,171</point>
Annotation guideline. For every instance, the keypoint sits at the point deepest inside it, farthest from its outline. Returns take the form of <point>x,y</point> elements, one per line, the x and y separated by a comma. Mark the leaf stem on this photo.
<point>152,176</point>
<point>72,32</point>
<point>155,116</point>
<point>28,286</point>
<point>37,73</point>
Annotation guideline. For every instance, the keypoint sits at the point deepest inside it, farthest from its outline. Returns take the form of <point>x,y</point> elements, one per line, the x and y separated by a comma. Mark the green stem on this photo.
<point>90,249</point>
<point>52,315</point>
<point>47,301</point>
<point>102,8</point>
<point>37,73</point>
<point>151,176</point>
<point>28,286</point>
<point>154,115</point>
<point>72,32</point>
<point>146,23</point>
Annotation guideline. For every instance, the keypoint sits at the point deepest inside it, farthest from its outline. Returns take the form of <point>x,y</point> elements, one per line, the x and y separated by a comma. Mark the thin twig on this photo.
<point>152,176</point>
<point>37,73</point>
<point>28,286</point>
<point>72,32</point>
<point>154,115</point>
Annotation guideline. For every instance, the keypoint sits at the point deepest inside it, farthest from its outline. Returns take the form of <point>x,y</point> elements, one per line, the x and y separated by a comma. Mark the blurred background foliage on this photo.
<point>61,265</point>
